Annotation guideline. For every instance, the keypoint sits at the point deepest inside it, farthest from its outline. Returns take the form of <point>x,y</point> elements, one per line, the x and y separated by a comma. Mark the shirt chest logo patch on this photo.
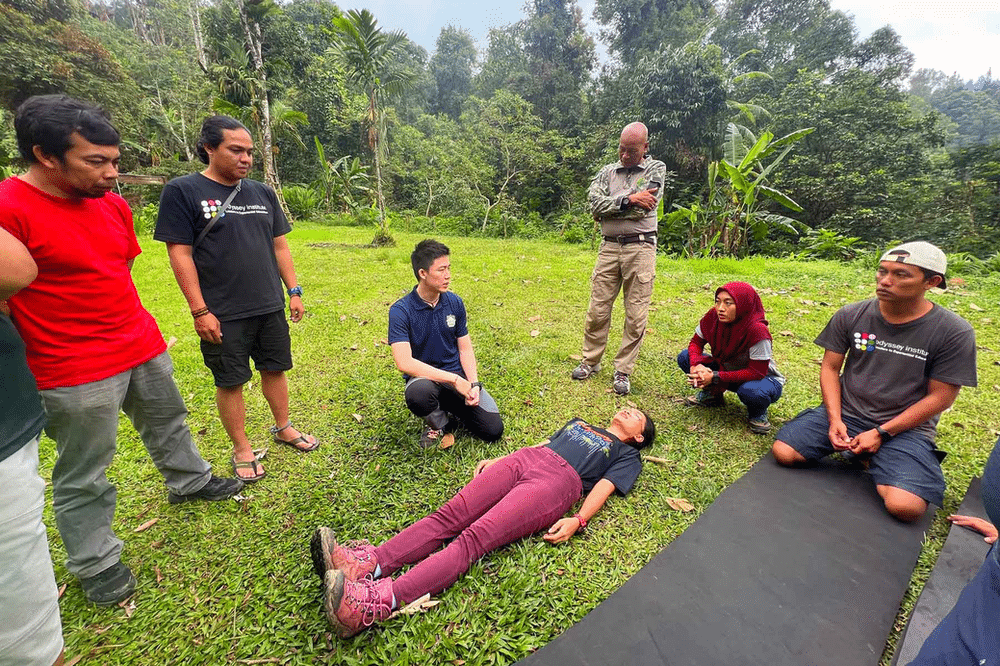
<point>210,207</point>
<point>864,341</point>
<point>450,320</point>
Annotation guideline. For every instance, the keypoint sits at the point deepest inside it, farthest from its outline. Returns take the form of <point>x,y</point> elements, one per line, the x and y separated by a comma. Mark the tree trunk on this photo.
<point>251,30</point>
<point>199,45</point>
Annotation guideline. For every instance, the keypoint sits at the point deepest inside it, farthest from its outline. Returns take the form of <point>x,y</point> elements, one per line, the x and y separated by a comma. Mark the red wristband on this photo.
<point>583,523</point>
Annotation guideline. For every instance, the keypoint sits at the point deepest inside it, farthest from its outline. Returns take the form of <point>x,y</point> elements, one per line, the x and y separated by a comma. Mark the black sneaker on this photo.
<point>216,489</point>
<point>111,586</point>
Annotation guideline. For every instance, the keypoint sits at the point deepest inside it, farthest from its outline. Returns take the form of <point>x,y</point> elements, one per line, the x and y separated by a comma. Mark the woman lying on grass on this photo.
<point>507,499</point>
<point>736,330</point>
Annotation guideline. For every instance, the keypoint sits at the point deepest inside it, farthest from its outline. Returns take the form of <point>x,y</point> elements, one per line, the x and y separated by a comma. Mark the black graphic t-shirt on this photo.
<point>596,454</point>
<point>888,365</point>
<point>237,269</point>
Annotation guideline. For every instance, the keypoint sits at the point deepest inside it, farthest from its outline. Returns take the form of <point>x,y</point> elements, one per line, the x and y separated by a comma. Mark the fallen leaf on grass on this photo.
<point>62,589</point>
<point>358,417</point>
<point>787,334</point>
<point>559,572</point>
<point>378,467</point>
<point>129,606</point>
<point>535,333</point>
<point>447,441</point>
<point>156,544</point>
<point>973,306</point>
<point>146,525</point>
<point>343,317</point>
<point>575,357</point>
<point>421,605</point>
<point>74,661</point>
<point>630,403</point>
<point>458,662</point>
<point>680,504</point>
<point>172,341</point>
<point>534,317</point>
<point>654,459</point>
<point>268,660</point>
<point>159,576</point>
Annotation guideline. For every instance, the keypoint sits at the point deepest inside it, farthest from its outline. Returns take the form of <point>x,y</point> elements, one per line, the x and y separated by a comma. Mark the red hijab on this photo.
<point>749,327</point>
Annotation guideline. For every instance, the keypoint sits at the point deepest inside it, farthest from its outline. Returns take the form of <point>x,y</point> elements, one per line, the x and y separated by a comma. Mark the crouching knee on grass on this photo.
<point>508,498</point>
<point>892,365</point>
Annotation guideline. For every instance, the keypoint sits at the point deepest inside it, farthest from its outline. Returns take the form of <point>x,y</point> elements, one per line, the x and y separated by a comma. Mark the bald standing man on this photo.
<point>623,197</point>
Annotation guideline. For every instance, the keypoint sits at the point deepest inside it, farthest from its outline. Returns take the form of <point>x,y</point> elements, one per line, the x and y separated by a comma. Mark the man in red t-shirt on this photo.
<point>93,348</point>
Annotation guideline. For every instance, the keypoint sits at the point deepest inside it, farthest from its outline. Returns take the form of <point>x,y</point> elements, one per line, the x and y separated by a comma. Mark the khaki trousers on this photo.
<point>631,268</point>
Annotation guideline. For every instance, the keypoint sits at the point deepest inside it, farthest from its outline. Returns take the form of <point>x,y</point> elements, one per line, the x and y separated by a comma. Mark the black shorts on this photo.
<point>263,338</point>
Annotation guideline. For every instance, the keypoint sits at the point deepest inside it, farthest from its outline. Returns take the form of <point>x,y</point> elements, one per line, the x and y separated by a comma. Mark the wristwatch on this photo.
<point>883,433</point>
<point>295,291</point>
<point>479,384</point>
<point>715,377</point>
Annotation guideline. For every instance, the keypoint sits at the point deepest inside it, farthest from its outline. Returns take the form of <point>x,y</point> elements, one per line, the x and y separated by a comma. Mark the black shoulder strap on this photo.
<point>218,214</point>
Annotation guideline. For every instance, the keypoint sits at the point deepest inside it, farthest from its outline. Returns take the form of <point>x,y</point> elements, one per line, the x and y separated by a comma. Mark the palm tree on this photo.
<point>368,55</point>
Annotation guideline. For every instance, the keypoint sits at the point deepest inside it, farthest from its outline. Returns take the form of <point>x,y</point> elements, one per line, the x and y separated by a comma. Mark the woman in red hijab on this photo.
<point>736,331</point>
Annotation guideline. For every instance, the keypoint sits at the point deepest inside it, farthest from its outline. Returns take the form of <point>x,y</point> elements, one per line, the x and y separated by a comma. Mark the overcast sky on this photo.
<point>950,35</point>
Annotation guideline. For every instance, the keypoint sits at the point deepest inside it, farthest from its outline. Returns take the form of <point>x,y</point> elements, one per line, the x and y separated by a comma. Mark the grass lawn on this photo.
<point>231,582</point>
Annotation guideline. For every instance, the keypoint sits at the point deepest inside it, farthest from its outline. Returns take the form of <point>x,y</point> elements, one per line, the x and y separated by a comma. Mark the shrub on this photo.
<point>303,202</point>
<point>145,219</point>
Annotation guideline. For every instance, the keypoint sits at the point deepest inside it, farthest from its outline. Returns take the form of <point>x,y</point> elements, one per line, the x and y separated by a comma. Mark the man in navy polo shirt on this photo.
<point>431,346</point>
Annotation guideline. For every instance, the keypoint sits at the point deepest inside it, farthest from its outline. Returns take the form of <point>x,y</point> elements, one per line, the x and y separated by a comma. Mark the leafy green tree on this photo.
<point>861,172</point>
<point>367,54</point>
<point>451,66</point>
<point>632,28</point>
<point>785,36</point>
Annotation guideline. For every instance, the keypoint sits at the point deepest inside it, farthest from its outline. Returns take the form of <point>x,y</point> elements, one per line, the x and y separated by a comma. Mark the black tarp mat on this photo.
<point>961,557</point>
<point>788,567</point>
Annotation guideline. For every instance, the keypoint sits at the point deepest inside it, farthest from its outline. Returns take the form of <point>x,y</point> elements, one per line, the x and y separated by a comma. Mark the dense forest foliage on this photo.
<point>784,132</point>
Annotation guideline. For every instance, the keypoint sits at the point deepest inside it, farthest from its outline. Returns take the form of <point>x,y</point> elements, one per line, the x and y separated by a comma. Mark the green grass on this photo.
<point>236,583</point>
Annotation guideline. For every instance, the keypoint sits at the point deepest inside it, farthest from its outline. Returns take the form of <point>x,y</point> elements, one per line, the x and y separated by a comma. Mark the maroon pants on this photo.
<point>520,494</point>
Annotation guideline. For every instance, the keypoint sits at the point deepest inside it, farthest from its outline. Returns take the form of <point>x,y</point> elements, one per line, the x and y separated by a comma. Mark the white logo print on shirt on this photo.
<point>450,320</point>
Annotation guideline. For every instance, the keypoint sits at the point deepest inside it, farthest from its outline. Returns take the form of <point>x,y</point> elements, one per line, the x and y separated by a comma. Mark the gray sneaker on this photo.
<point>107,588</point>
<point>583,371</point>
<point>621,383</point>
<point>760,425</point>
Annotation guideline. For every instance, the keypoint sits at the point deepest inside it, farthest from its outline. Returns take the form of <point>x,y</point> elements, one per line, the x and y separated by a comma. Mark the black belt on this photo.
<point>632,238</point>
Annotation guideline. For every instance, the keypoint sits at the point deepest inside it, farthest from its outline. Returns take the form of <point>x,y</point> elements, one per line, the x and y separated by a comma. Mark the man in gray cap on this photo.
<point>906,360</point>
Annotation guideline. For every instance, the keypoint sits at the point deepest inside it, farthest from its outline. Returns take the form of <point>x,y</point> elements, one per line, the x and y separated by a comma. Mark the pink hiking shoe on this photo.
<point>356,560</point>
<point>352,606</point>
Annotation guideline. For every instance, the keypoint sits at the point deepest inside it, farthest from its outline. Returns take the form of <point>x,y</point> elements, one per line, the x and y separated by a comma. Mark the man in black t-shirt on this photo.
<point>225,235</point>
<point>904,361</point>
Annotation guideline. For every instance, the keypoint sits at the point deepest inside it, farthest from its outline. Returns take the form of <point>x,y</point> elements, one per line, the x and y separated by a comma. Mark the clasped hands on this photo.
<point>700,376</point>
<point>863,444</point>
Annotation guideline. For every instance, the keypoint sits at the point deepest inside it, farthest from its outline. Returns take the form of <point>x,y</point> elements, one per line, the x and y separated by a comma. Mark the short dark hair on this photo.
<point>930,275</point>
<point>212,133</point>
<point>48,121</point>
<point>426,253</point>
<point>648,431</point>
